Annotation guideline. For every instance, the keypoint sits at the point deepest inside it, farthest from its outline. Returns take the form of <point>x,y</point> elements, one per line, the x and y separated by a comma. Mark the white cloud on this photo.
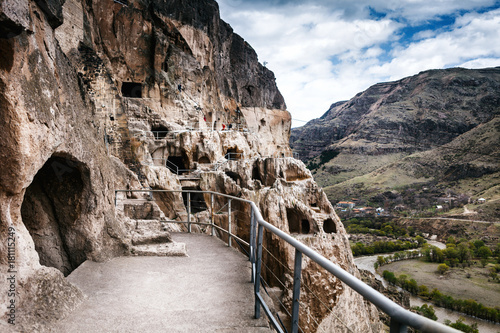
<point>326,51</point>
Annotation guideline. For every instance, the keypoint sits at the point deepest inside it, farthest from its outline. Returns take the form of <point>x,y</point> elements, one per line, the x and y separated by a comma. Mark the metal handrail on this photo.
<point>400,317</point>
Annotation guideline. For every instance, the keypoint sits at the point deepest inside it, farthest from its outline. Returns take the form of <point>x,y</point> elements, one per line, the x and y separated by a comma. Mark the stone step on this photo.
<point>163,250</point>
<point>151,238</point>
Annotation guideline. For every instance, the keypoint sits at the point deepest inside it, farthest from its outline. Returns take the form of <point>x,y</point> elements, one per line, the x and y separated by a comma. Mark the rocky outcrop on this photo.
<point>97,96</point>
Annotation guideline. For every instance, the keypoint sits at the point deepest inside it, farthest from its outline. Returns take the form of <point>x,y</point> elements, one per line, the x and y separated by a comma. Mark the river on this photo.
<point>366,262</point>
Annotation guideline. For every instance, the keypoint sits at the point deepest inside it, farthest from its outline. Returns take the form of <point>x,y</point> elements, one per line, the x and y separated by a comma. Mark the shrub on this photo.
<point>426,311</point>
<point>443,268</point>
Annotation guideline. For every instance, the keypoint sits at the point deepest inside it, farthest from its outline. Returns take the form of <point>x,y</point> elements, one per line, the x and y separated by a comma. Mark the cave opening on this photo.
<point>234,176</point>
<point>293,221</point>
<point>51,211</point>
<point>305,226</point>
<point>132,89</point>
<point>159,132</point>
<point>297,222</point>
<point>329,226</point>
<point>176,164</point>
<point>256,173</point>
<point>198,203</point>
<point>204,160</point>
<point>232,154</point>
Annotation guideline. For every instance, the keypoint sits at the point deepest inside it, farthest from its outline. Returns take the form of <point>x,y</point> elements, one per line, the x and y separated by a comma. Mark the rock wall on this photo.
<point>97,96</point>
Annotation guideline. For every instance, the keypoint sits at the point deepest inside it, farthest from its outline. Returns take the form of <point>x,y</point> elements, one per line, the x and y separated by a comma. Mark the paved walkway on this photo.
<point>209,291</point>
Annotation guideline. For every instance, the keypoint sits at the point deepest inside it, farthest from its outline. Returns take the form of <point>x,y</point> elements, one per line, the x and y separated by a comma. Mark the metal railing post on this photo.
<point>258,268</point>
<point>397,327</point>
<point>189,211</point>
<point>212,213</point>
<point>229,223</point>
<point>296,291</point>
<point>252,243</point>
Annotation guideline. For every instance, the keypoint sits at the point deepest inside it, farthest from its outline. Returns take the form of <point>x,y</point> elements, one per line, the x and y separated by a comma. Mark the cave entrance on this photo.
<point>256,173</point>
<point>176,164</point>
<point>204,160</point>
<point>51,210</point>
<point>329,226</point>
<point>305,226</point>
<point>132,89</point>
<point>293,221</point>
<point>297,223</point>
<point>232,154</point>
<point>198,203</point>
<point>159,131</point>
<point>234,176</point>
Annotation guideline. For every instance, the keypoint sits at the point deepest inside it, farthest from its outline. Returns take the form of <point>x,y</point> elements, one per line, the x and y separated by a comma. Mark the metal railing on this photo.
<point>401,318</point>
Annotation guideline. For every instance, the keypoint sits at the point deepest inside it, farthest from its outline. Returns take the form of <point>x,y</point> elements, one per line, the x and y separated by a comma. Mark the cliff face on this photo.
<point>97,96</point>
<point>435,130</point>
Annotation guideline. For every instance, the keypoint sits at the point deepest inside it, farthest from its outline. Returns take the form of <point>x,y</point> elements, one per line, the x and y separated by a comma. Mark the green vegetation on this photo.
<point>443,268</point>
<point>426,311</point>
<point>460,325</point>
<point>469,307</point>
<point>460,254</point>
<point>325,157</point>
<point>360,249</point>
<point>382,227</point>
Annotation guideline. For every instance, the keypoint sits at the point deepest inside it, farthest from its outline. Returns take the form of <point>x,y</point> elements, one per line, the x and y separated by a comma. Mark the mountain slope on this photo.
<point>439,129</point>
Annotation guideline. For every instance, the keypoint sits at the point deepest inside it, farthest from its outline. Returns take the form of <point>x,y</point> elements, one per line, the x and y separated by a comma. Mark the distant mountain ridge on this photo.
<point>437,128</point>
<point>430,108</point>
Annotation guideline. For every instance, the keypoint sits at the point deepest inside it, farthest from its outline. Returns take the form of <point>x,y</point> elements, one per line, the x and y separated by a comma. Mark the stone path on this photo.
<point>209,291</point>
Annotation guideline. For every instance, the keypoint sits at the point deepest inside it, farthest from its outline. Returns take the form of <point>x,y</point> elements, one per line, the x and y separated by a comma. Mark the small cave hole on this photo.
<point>329,226</point>
<point>234,176</point>
<point>132,89</point>
<point>204,160</point>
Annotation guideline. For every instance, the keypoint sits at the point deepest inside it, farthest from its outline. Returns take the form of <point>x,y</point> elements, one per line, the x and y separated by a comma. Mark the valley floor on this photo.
<point>455,283</point>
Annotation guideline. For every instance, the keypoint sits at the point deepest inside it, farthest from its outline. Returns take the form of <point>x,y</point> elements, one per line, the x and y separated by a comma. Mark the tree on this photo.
<point>426,311</point>
<point>451,240</point>
<point>443,268</point>
<point>423,290</point>
<point>484,262</point>
<point>460,325</point>
<point>421,240</point>
<point>484,252</point>
<point>381,260</point>
<point>463,253</point>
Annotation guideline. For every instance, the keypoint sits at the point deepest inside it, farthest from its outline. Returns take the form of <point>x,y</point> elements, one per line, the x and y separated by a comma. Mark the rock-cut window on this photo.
<point>132,89</point>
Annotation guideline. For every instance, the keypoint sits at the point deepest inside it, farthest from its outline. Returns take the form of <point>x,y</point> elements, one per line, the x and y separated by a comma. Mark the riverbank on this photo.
<point>367,263</point>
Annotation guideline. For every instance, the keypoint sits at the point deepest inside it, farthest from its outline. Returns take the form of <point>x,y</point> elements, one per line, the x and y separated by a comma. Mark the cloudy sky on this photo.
<point>324,51</point>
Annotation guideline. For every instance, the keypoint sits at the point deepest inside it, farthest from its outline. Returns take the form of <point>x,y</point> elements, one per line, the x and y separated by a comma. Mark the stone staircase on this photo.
<point>151,238</point>
<point>149,231</point>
